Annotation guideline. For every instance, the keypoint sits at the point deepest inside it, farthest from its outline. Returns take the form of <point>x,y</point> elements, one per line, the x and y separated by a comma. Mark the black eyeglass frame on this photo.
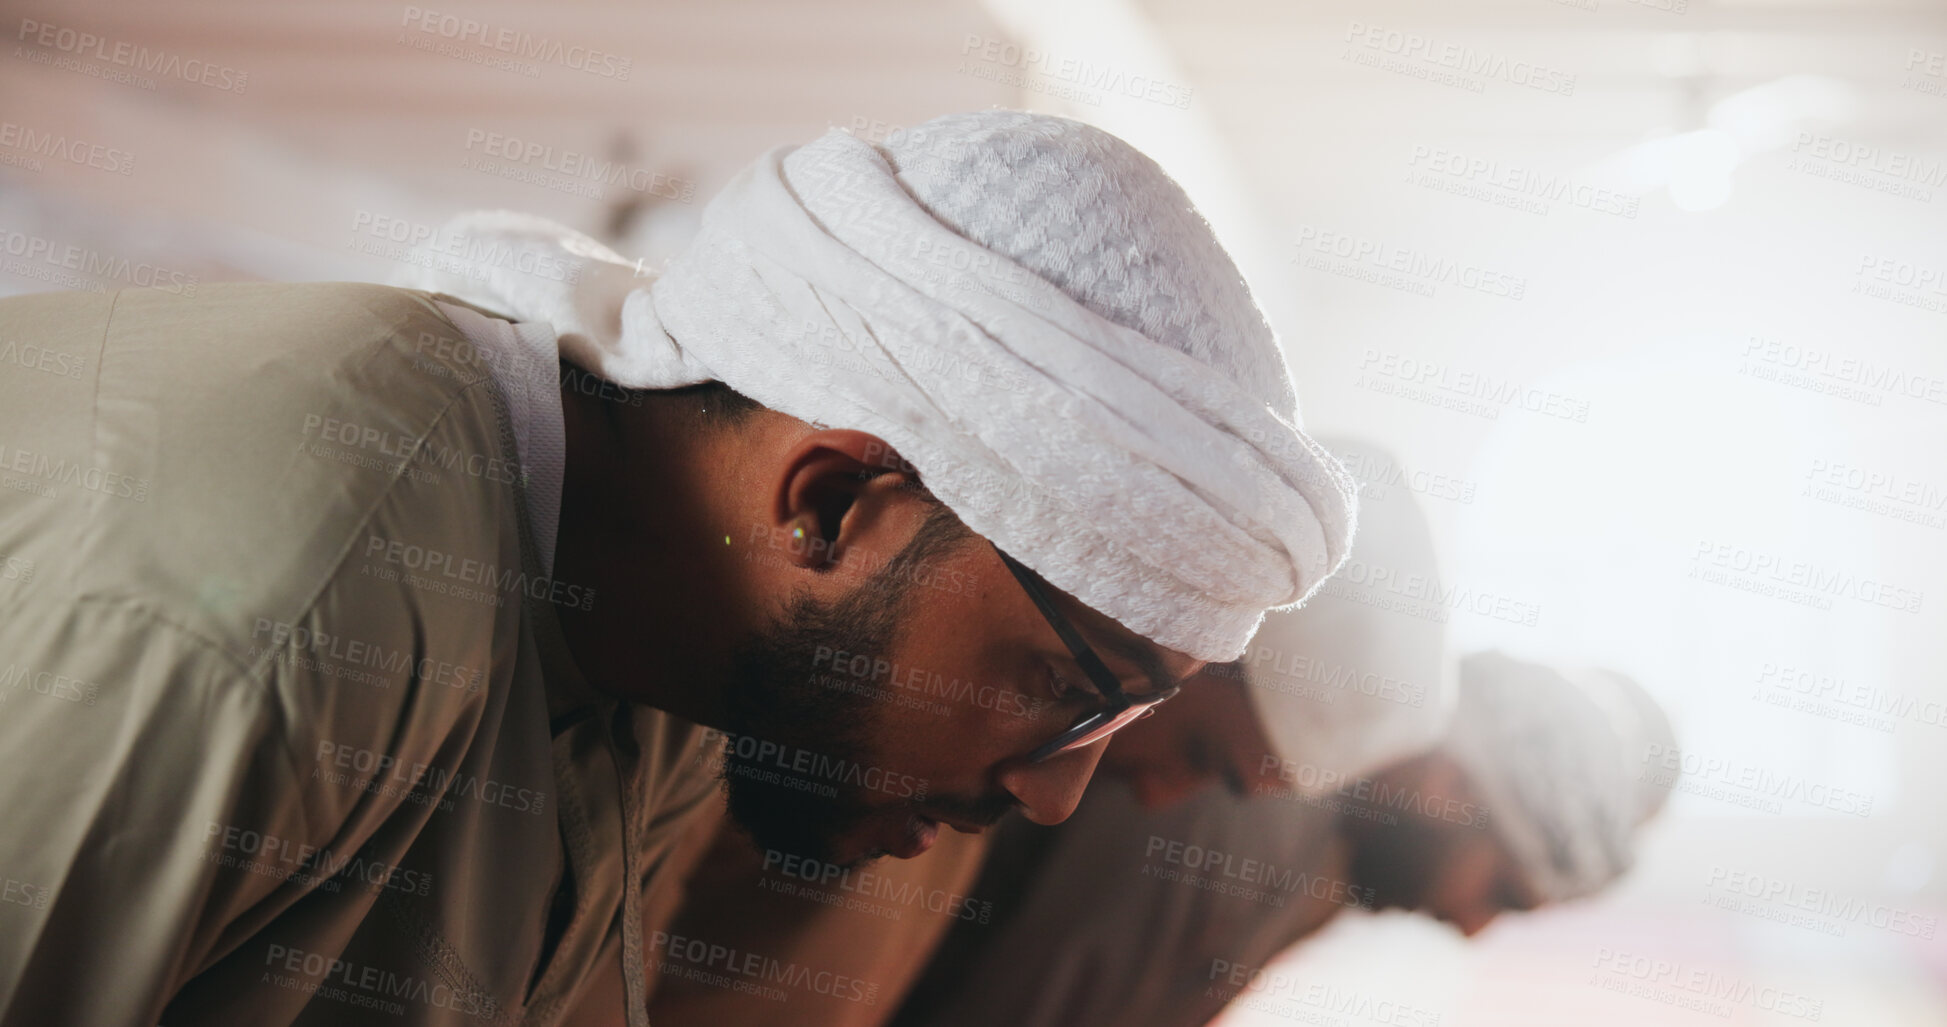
<point>1121,710</point>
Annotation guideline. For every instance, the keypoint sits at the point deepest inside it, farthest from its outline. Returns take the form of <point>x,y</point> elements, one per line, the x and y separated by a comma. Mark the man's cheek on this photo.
<point>1137,750</point>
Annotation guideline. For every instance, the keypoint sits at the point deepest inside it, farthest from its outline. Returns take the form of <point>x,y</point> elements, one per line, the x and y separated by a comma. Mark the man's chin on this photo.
<point>901,836</point>
<point>783,826</point>
<point>863,840</point>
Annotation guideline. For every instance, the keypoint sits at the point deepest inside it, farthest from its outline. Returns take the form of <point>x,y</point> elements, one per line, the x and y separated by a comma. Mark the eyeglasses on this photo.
<point>1120,710</point>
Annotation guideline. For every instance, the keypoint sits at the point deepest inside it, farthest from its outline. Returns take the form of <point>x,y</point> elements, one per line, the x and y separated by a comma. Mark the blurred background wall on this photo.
<point>1648,296</point>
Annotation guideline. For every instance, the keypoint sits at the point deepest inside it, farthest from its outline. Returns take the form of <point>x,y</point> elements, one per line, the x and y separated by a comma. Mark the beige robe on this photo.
<point>1101,922</point>
<point>761,942</point>
<point>289,732</point>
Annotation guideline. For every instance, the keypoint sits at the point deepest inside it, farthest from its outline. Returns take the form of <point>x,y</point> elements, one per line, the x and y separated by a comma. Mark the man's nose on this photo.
<point>1050,790</point>
<point>1472,921</point>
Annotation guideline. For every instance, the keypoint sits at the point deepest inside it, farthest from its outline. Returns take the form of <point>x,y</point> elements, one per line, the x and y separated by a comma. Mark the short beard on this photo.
<point>775,696</point>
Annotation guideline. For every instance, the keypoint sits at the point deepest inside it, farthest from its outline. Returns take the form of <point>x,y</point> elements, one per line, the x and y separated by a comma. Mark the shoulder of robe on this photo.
<point>315,479</point>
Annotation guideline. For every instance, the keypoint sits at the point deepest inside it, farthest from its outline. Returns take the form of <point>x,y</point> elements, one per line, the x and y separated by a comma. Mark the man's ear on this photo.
<point>837,488</point>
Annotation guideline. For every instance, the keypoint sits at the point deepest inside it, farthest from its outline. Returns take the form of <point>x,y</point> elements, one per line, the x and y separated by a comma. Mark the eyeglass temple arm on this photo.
<point>1092,664</point>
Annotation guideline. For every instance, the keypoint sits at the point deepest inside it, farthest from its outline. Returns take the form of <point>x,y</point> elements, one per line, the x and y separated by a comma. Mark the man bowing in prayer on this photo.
<point>363,650</point>
<point>1133,917</point>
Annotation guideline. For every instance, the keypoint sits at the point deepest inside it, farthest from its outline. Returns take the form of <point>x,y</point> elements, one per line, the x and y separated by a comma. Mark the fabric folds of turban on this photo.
<point>1027,310</point>
<point>1558,761</point>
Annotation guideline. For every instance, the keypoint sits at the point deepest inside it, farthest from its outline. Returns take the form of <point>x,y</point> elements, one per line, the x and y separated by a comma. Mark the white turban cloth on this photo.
<point>1345,685</point>
<point>1028,311</point>
<point>1557,760</point>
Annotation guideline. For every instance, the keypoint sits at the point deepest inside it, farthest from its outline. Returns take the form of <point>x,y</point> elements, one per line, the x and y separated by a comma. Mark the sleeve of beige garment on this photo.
<point>145,803</point>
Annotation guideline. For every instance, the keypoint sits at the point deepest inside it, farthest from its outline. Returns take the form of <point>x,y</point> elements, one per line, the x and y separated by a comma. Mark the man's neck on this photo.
<point>635,527</point>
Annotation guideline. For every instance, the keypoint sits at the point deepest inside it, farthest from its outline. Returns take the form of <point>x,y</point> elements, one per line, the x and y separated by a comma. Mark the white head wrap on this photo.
<point>1027,310</point>
<point>1556,760</point>
<point>1345,686</point>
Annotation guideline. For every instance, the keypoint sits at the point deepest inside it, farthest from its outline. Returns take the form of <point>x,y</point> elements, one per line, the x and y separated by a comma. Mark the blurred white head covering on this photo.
<point>1557,761</point>
<point>1344,685</point>
<point>1027,309</point>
